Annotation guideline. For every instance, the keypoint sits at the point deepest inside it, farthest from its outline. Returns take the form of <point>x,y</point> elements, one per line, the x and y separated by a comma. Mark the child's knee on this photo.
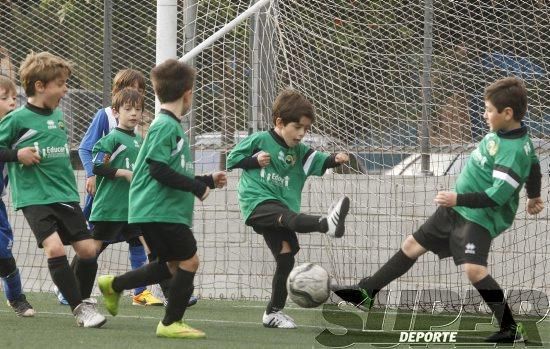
<point>191,264</point>
<point>412,248</point>
<point>475,272</point>
<point>86,250</point>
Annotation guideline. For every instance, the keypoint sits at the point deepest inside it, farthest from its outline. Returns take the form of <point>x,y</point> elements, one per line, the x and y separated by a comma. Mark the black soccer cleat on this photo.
<point>514,334</point>
<point>22,307</point>
<point>355,295</point>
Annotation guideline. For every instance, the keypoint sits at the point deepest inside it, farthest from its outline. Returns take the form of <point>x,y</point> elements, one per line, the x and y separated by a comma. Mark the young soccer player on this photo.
<point>103,122</point>
<point>11,280</point>
<point>34,142</point>
<point>276,165</point>
<point>482,206</point>
<point>161,202</point>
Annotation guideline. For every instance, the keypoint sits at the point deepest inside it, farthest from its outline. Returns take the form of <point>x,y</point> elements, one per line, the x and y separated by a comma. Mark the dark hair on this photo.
<point>509,92</point>
<point>127,95</point>
<point>171,79</point>
<point>290,105</point>
<point>127,78</point>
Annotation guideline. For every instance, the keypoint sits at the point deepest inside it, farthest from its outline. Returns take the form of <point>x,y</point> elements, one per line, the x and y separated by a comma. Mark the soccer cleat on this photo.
<point>22,307</point>
<point>514,334</point>
<point>278,319</point>
<point>86,315</point>
<point>178,329</point>
<point>60,296</point>
<point>110,297</point>
<point>355,295</point>
<point>146,298</point>
<point>336,217</point>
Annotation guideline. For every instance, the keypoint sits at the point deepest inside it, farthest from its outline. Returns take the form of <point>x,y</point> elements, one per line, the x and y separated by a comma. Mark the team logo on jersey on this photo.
<point>470,248</point>
<point>492,147</point>
<point>61,124</point>
<point>51,124</point>
<point>289,159</point>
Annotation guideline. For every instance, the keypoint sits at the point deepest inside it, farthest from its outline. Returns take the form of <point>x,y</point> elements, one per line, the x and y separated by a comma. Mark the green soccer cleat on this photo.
<point>355,295</point>
<point>178,329</point>
<point>110,297</point>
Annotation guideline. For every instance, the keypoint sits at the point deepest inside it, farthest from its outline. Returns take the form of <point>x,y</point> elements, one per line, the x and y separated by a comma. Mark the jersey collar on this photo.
<point>129,133</point>
<point>38,110</point>
<point>515,133</point>
<point>169,113</point>
<point>278,138</point>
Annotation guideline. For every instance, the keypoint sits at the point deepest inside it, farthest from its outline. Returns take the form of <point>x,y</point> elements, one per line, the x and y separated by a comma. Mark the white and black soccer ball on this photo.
<point>308,285</point>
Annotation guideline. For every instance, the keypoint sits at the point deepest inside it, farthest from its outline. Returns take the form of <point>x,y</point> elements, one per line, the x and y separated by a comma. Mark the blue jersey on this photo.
<point>103,122</point>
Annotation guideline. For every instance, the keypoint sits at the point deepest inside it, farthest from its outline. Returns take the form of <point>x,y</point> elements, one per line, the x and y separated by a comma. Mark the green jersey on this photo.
<point>151,201</point>
<point>50,181</point>
<point>499,166</point>
<point>283,179</point>
<point>118,149</point>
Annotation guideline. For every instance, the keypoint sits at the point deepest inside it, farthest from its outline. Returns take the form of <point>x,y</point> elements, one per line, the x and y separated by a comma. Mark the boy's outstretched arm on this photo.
<point>472,200</point>
<point>167,176</point>
<point>335,160</point>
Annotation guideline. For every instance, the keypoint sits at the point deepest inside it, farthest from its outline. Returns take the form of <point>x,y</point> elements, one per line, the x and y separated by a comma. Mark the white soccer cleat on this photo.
<point>336,217</point>
<point>86,315</point>
<point>278,320</point>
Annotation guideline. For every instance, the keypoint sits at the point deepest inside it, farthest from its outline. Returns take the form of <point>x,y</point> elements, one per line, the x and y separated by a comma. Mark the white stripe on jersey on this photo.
<point>178,147</point>
<point>26,136</point>
<point>505,177</point>
<point>119,150</point>
<point>308,162</point>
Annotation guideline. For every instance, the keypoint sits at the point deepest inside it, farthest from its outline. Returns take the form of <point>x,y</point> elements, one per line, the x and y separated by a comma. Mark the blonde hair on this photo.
<point>43,67</point>
<point>127,78</point>
<point>7,84</point>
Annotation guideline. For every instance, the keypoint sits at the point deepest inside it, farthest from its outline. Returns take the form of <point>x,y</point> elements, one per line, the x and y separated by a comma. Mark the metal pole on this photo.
<point>189,25</point>
<point>427,86</point>
<point>107,51</point>
<point>226,29</point>
<point>167,33</point>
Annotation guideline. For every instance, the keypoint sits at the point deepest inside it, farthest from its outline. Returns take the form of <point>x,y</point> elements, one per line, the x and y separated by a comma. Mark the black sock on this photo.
<point>398,265</point>
<point>85,271</point>
<point>180,291</point>
<point>493,295</point>
<point>149,274</point>
<point>303,223</point>
<point>65,280</point>
<point>164,284</point>
<point>285,263</point>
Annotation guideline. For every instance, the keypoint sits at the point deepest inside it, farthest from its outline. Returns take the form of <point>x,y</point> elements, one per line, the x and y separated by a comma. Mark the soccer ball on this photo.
<point>308,285</point>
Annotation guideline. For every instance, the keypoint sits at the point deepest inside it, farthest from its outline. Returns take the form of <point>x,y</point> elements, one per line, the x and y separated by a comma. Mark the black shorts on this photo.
<point>447,234</point>
<point>170,241</point>
<point>265,221</point>
<point>65,218</point>
<point>113,232</point>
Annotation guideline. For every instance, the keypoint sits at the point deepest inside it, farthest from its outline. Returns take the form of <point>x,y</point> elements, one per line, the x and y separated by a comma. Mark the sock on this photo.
<point>85,271</point>
<point>178,297</point>
<point>493,295</point>
<point>396,266</point>
<point>11,279</point>
<point>303,223</point>
<point>165,287</point>
<point>137,260</point>
<point>65,280</point>
<point>285,263</point>
<point>149,274</point>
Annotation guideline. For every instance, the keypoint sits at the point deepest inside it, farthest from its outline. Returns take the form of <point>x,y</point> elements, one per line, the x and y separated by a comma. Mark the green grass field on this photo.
<point>228,324</point>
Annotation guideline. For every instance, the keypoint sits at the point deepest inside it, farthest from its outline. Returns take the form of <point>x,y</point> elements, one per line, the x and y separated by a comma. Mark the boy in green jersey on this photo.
<point>483,205</point>
<point>162,196</point>
<point>276,165</point>
<point>34,143</point>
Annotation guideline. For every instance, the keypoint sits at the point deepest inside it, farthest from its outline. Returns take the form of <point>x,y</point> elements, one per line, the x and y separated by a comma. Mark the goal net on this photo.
<point>397,84</point>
